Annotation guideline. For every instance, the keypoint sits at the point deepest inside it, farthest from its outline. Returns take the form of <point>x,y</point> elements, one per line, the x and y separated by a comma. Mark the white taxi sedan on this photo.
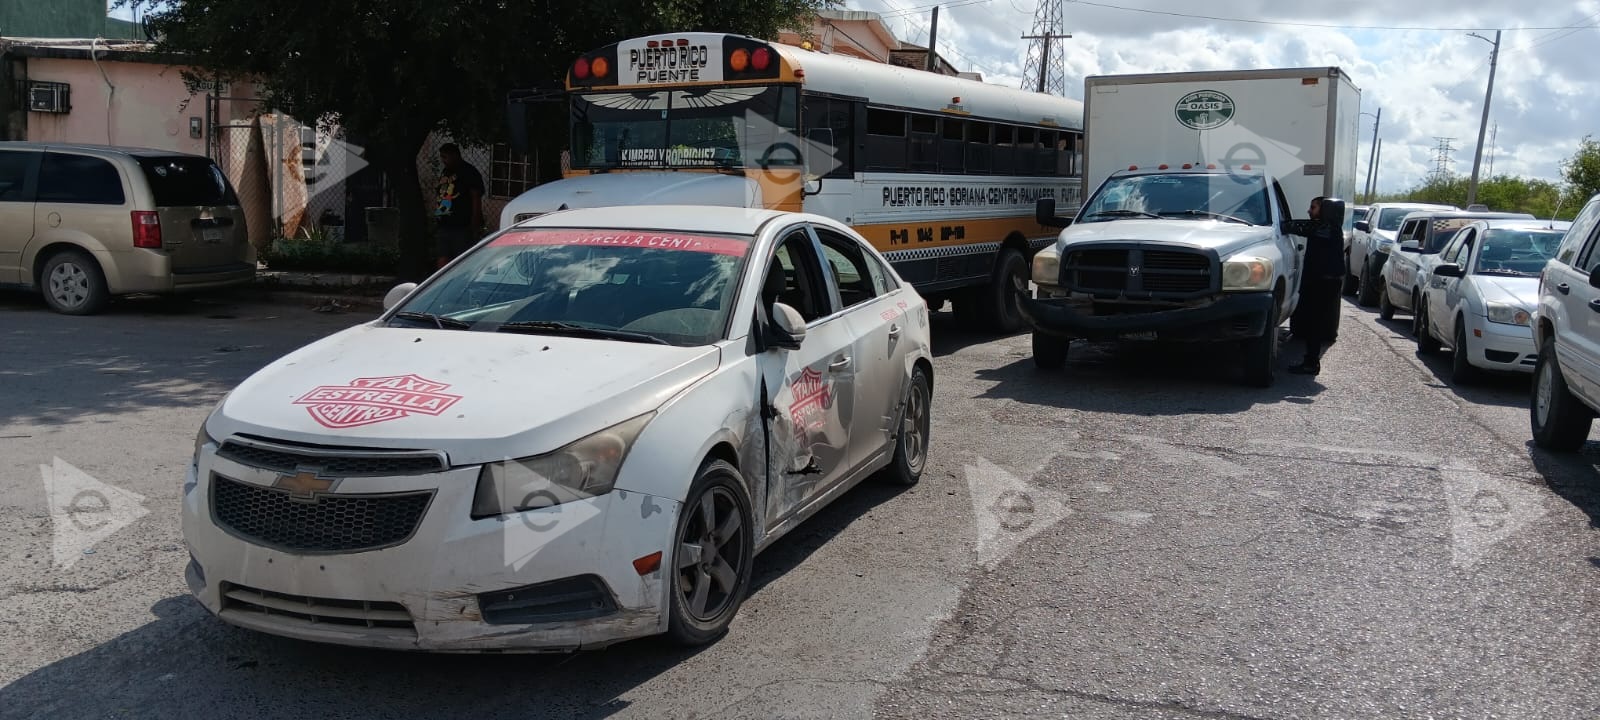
<point>581,431</point>
<point>1480,298</point>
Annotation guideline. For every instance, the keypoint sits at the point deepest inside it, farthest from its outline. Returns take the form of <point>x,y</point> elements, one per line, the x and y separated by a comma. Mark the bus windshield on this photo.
<point>726,127</point>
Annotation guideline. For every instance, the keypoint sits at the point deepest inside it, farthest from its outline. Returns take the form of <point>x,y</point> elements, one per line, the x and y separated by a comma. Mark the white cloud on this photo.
<point>1429,83</point>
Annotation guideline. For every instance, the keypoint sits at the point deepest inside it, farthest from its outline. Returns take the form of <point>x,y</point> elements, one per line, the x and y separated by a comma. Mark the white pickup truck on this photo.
<point>1190,254</point>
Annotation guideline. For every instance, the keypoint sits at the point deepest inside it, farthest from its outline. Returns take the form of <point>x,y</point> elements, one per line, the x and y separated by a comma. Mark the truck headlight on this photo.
<point>1508,314</point>
<point>1247,273</point>
<point>1047,267</point>
<point>583,469</point>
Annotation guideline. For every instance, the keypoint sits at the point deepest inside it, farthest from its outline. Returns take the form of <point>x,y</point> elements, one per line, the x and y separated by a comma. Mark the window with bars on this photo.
<point>510,173</point>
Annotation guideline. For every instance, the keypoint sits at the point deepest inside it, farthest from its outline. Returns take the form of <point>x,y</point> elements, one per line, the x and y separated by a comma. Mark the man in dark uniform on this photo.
<point>459,210</point>
<point>1316,317</point>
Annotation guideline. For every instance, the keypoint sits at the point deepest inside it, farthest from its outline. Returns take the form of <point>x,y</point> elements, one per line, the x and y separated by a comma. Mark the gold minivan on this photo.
<point>83,223</point>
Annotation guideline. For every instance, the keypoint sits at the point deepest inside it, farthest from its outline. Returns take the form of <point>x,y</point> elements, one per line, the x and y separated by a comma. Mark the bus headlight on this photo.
<point>1047,267</point>
<point>1247,273</point>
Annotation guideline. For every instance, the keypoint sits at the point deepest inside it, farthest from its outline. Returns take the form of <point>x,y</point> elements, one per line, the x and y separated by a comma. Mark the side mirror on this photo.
<point>1044,213</point>
<point>1594,278</point>
<point>1411,245</point>
<point>398,293</point>
<point>788,328</point>
<point>1450,270</point>
<point>1364,226</point>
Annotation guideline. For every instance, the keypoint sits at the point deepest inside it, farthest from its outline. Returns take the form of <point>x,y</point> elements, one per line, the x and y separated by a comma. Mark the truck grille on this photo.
<point>1137,272</point>
<point>324,524</point>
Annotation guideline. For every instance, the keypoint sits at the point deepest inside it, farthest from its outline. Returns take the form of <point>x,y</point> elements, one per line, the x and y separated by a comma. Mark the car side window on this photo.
<point>1464,250</point>
<point>14,167</point>
<point>795,279</point>
<point>849,268</point>
<point>79,179</point>
<point>1591,253</point>
<point>1282,202</point>
<point>1582,227</point>
<point>1448,255</point>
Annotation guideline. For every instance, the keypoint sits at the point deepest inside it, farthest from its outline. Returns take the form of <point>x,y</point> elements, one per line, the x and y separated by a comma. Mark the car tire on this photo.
<point>1050,351</point>
<point>1366,291</point>
<point>1261,353</point>
<point>912,442</point>
<point>1427,344</point>
<point>1462,371</point>
<point>1416,314</point>
<point>999,299</point>
<point>694,619</point>
<point>1560,421</point>
<point>73,284</point>
<point>1385,308</point>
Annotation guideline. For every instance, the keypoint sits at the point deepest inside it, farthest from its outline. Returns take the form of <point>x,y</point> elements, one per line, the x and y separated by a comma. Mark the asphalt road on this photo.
<point>1136,537</point>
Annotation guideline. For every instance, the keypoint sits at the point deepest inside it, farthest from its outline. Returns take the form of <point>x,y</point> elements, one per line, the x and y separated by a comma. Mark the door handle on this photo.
<point>1564,288</point>
<point>842,362</point>
<point>894,331</point>
<point>1594,305</point>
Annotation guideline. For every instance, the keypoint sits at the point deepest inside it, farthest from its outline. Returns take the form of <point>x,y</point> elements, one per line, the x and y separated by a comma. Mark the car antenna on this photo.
<point>1556,213</point>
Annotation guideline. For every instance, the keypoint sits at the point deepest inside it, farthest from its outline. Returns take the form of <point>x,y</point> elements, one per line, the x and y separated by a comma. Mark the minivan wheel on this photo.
<point>1560,421</point>
<point>73,284</point>
<point>712,556</point>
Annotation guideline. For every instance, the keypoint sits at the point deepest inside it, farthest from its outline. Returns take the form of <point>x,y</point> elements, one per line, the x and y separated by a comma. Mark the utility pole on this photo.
<point>933,42</point>
<point>1049,21</point>
<point>1483,125</point>
<point>1372,159</point>
<point>1494,135</point>
<point>1377,155</point>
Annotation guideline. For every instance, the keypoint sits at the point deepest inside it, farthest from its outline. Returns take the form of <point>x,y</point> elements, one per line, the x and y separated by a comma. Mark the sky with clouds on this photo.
<point>1429,82</point>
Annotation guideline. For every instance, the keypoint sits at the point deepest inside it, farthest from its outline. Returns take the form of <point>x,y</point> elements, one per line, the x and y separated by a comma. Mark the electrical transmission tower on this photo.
<point>1046,68</point>
<point>1442,158</point>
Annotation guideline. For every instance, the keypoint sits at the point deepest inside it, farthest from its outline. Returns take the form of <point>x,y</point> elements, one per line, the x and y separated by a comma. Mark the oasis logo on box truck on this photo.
<point>1205,109</point>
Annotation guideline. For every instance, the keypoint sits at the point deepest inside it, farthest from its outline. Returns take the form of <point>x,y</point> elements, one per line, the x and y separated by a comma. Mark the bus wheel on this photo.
<point>999,306</point>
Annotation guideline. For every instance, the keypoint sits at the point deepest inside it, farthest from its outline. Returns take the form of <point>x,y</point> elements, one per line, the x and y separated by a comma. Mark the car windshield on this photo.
<point>1231,198</point>
<point>729,127</point>
<point>1390,218</point>
<point>635,285</point>
<point>1509,251</point>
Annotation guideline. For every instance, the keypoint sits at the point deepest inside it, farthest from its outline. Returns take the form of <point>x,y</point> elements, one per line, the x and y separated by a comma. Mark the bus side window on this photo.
<point>822,113</point>
<point>1003,160</point>
<point>1044,154</point>
<point>924,143</point>
<point>952,156</point>
<point>1026,137</point>
<point>979,147</point>
<point>886,140</point>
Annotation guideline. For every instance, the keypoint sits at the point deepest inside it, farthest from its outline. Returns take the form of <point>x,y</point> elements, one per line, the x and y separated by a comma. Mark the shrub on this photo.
<point>328,256</point>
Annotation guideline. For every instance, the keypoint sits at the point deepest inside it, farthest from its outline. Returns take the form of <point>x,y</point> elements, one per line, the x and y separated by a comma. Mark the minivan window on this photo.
<point>186,181</point>
<point>79,179</point>
<point>14,174</point>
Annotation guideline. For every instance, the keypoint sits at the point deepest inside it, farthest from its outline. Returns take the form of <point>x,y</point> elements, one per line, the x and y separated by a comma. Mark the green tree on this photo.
<point>1505,193</point>
<point>391,72</point>
<point>1582,171</point>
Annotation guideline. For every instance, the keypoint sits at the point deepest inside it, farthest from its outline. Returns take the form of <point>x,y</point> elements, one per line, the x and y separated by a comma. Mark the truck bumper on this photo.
<point>1236,316</point>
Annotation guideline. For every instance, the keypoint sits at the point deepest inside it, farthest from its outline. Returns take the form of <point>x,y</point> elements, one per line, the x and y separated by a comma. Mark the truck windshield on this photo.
<point>728,127</point>
<point>1199,196</point>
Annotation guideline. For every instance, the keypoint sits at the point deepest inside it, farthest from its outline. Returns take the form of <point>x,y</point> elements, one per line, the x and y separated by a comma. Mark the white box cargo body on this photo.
<point>1301,124</point>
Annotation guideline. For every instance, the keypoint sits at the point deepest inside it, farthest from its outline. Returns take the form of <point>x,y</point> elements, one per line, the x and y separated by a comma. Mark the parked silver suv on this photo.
<point>1566,334</point>
<point>83,223</point>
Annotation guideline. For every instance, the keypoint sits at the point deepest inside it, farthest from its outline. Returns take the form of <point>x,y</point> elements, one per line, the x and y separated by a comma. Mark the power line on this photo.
<point>1334,26</point>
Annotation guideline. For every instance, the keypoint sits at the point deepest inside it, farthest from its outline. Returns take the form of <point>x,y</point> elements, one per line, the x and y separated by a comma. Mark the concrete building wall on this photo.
<point>132,104</point>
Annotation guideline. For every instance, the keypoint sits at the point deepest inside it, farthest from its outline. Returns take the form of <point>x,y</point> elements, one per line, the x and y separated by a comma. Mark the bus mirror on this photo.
<point>1045,214</point>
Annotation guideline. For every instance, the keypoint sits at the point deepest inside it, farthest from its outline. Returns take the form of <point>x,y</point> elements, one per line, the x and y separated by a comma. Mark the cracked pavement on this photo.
<point>1136,537</point>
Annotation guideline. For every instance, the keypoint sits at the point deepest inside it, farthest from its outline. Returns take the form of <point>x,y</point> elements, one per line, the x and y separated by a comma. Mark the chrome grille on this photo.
<point>379,616</point>
<point>331,461</point>
<point>1135,271</point>
<point>327,523</point>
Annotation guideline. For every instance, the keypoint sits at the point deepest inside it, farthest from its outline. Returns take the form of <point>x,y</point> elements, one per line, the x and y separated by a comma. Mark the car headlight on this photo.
<point>583,469</point>
<point>1509,314</point>
<point>1247,273</point>
<point>1047,267</point>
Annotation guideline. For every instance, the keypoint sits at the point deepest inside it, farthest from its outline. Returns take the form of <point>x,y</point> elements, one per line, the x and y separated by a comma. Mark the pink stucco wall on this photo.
<point>150,108</point>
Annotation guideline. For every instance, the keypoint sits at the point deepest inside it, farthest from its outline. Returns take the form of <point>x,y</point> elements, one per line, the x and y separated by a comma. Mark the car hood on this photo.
<point>1522,292</point>
<point>478,396</point>
<point>635,188</point>
<point>1226,238</point>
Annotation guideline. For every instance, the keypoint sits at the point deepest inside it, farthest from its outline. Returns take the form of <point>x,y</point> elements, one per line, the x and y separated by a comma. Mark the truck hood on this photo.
<point>478,396</point>
<point>1518,291</point>
<point>634,188</point>
<point>1226,238</point>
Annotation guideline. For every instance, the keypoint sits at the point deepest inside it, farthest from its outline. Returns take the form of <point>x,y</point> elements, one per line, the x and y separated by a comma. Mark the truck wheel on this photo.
<point>1261,354</point>
<point>1427,344</point>
<point>1366,290</point>
<point>1349,280</point>
<point>1050,351</point>
<point>999,299</point>
<point>1385,308</point>
<point>1560,421</point>
<point>73,283</point>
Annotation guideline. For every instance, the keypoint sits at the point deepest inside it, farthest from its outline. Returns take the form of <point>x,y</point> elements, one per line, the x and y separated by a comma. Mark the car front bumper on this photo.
<point>1497,346</point>
<point>551,580</point>
<point>1233,316</point>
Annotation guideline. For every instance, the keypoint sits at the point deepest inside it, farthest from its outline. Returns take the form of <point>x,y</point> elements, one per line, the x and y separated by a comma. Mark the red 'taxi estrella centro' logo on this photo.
<point>373,400</point>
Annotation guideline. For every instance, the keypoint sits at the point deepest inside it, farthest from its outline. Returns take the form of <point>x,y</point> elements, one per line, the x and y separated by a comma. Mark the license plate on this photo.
<point>1149,335</point>
<point>212,236</point>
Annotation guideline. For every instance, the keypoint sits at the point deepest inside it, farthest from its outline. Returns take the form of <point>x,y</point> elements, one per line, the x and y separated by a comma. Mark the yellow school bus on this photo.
<point>940,173</point>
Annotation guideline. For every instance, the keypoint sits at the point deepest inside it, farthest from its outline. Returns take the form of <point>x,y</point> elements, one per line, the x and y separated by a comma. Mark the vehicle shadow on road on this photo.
<point>1143,379</point>
<point>187,663</point>
<point>950,336</point>
<point>1575,477</point>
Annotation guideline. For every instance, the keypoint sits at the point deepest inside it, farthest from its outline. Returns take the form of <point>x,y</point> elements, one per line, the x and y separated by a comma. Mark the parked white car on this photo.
<point>1481,296</point>
<point>579,432</point>
<point>1416,250</point>
<point>1369,246</point>
<point>1566,331</point>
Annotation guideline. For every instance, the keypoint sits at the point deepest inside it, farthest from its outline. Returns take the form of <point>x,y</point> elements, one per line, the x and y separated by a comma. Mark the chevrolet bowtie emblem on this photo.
<point>303,485</point>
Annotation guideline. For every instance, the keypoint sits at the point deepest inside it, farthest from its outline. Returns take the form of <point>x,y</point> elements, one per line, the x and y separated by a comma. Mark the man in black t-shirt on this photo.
<point>459,210</point>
